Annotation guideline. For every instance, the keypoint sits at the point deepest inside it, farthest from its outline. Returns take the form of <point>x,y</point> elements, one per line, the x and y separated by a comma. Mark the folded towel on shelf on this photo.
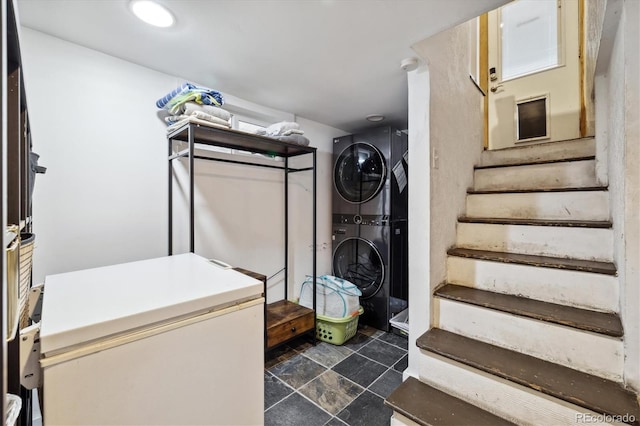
<point>292,132</point>
<point>199,115</point>
<point>192,119</point>
<point>189,93</point>
<point>207,117</point>
<point>278,129</point>
<point>294,138</point>
<point>189,107</point>
<point>173,119</point>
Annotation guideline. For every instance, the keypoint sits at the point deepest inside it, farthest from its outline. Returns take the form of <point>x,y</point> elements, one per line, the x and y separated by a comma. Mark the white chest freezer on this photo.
<point>174,340</point>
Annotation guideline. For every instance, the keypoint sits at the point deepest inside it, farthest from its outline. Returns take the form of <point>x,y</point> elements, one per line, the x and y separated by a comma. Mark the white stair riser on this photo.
<point>574,205</point>
<point>578,148</point>
<point>567,174</point>
<point>565,287</point>
<point>398,419</point>
<point>581,350</point>
<point>557,241</point>
<point>506,399</point>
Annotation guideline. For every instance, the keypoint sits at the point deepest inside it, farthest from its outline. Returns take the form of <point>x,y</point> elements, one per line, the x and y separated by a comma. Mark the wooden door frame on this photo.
<point>581,69</point>
<point>483,46</point>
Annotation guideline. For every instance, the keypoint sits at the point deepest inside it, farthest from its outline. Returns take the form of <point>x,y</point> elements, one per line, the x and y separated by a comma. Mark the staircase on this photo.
<point>526,326</point>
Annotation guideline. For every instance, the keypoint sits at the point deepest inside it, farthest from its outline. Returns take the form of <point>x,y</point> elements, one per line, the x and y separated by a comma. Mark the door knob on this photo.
<point>495,88</point>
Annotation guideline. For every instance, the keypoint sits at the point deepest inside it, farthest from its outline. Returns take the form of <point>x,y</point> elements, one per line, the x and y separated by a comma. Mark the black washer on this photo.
<point>357,260</point>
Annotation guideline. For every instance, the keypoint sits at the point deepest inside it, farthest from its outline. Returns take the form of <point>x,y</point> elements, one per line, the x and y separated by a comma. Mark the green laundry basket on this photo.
<point>337,330</point>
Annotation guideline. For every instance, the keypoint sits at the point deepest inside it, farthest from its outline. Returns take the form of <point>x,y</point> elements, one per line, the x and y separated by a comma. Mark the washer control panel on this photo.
<point>369,220</point>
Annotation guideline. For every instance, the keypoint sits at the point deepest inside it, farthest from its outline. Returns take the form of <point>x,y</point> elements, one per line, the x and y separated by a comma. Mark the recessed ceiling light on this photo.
<point>152,13</point>
<point>375,117</point>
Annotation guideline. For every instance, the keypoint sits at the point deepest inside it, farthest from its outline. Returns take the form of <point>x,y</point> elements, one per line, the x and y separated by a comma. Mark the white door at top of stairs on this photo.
<point>534,73</point>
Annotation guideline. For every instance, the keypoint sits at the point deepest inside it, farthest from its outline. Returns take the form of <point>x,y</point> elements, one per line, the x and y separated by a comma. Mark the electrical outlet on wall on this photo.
<point>321,246</point>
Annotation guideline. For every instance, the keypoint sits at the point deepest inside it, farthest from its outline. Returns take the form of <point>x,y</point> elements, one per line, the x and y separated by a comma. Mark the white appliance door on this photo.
<point>202,370</point>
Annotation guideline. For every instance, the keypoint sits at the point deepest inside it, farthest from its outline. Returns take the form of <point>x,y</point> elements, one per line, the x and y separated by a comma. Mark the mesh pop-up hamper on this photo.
<point>337,307</point>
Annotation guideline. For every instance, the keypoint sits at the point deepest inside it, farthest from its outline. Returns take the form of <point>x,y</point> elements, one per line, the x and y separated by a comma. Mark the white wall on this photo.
<point>631,290</point>
<point>455,135</point>
<point>300,208</point>
<point>625,71</point>
<point>453,146</point>
<point>618,95</point>
<point>419,196</point>
<point>104,197</point>
<point>94,124</point>
<point>593,18</point>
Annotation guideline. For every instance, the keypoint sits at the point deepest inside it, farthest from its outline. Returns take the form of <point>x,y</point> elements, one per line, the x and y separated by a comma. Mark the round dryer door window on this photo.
<point>359,173</point>
<point>358,261</point>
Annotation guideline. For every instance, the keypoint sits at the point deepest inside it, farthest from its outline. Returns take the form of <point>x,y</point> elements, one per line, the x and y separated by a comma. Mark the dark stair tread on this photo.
<point>535,162</point>
<point>538,222</point>
<point>427,405</point>
<point>588,391</point>
<point>607,268</point>
<point>518,191</point>
<point>583,319</point>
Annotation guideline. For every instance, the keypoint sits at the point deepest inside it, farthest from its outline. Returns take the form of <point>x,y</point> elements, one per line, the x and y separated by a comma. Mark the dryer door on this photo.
<point>359,172</point>
<point>357,260</point>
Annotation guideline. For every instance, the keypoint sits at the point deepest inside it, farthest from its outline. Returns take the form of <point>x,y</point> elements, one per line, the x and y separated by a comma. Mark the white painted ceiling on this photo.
<point>332,61</point>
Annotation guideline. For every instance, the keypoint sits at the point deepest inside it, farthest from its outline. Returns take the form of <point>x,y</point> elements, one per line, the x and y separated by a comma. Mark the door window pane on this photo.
<point>359,173</point>
<point>529,37</point>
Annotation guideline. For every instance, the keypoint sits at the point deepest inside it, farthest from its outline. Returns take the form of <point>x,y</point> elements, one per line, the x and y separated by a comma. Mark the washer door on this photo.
<point>357,260</point>
<point>359,173</point>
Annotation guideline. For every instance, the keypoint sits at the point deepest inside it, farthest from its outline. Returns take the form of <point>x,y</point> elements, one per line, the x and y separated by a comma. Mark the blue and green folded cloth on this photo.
<point>188,92</point>
<point>194,104</point>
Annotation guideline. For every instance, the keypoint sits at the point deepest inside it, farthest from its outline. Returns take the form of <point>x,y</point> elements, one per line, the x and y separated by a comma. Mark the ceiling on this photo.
<point>331,61</point>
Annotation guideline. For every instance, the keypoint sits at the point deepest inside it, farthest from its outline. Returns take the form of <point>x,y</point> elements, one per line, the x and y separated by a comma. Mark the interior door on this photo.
<point>534,73</point>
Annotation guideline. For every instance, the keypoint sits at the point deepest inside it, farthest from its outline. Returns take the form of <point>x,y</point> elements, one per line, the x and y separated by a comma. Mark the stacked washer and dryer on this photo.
<point>370,239</point>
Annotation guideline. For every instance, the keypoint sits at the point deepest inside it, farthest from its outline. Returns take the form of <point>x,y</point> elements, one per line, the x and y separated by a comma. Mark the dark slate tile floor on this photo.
<point>334,385</point>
